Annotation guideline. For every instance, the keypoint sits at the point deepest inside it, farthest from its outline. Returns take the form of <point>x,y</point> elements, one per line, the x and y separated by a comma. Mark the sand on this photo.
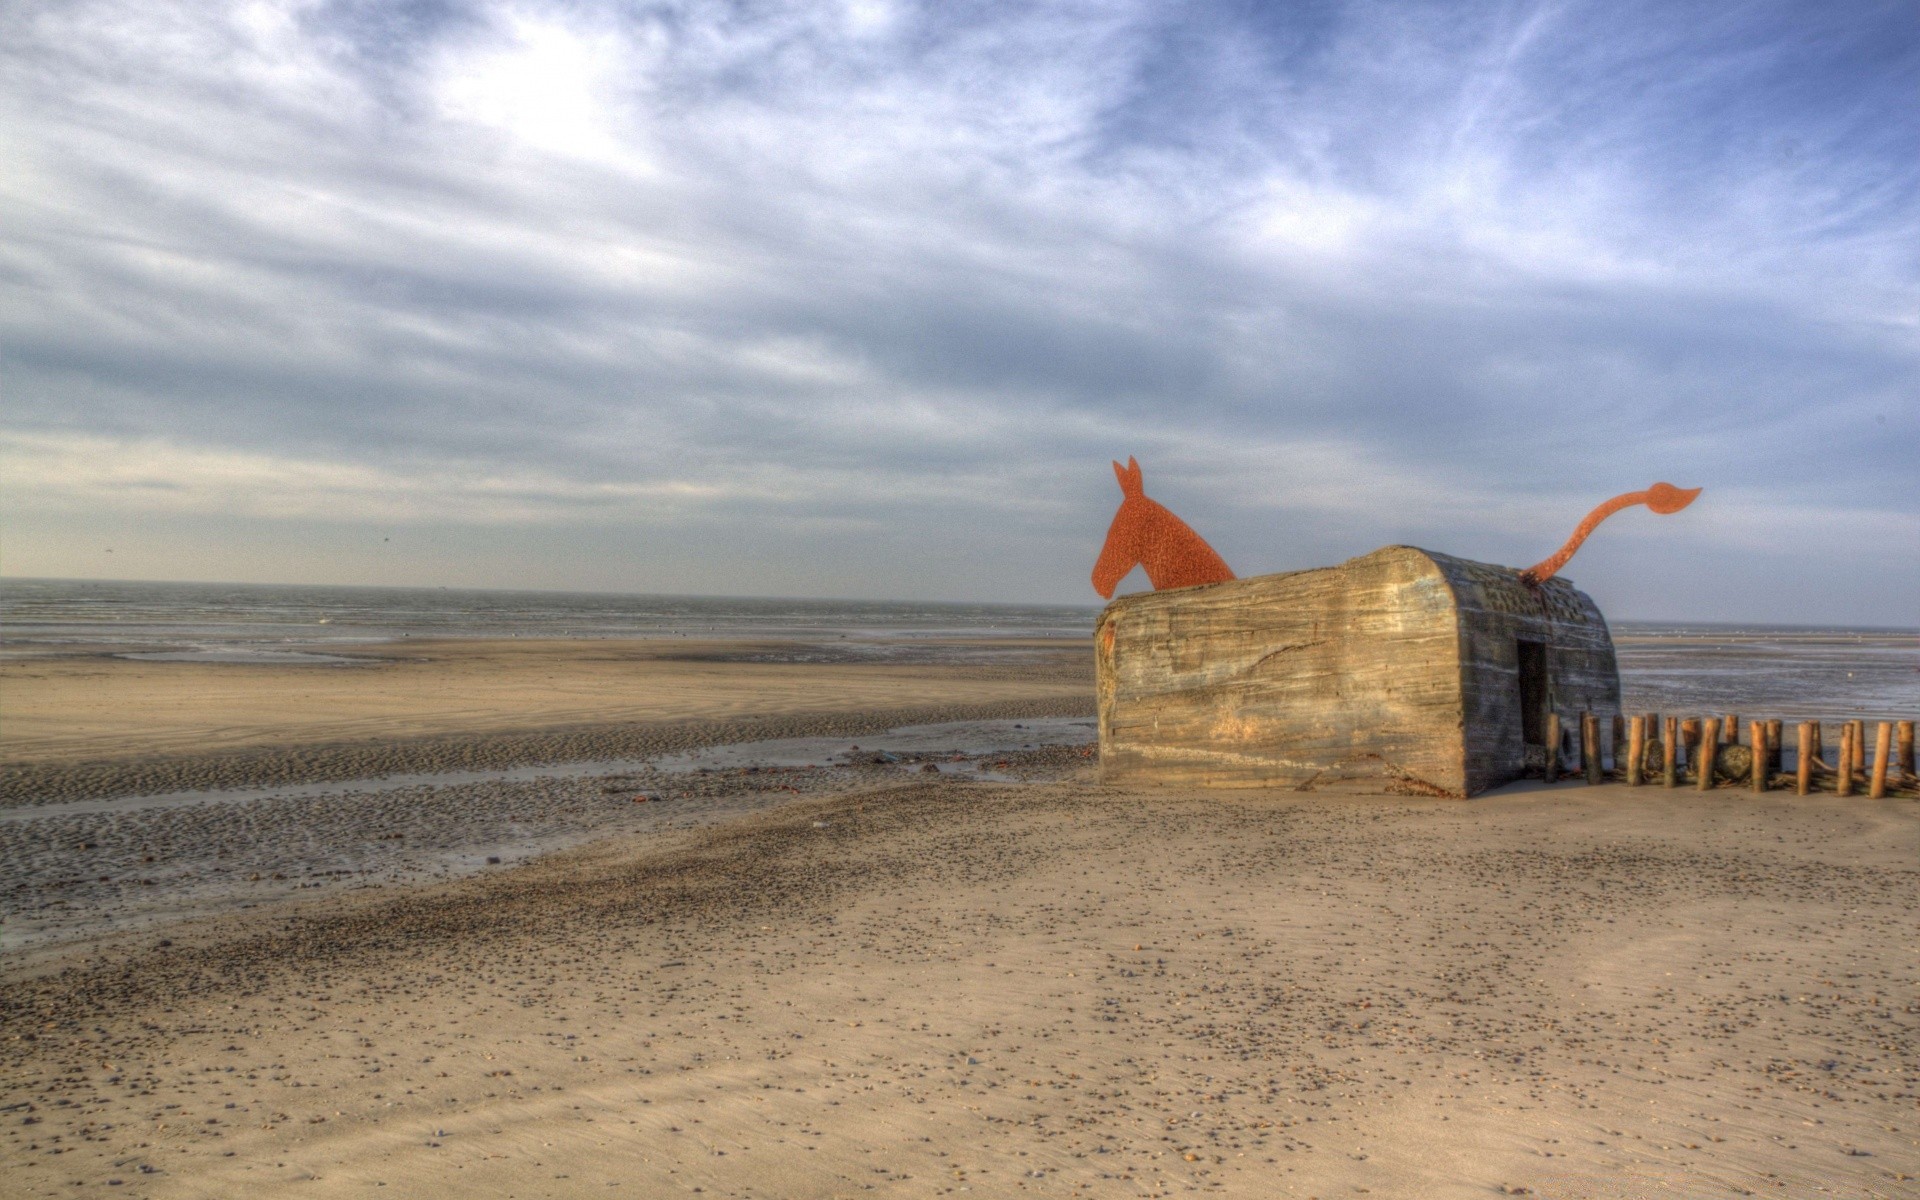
<point>871,980</point>
<point>1051,988</point>
<point>72,709</point>
<point>96,725</point>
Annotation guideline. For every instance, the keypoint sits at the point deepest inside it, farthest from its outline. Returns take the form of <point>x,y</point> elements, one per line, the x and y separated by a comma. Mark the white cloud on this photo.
<point>549,85</point>
<point>69,472</point>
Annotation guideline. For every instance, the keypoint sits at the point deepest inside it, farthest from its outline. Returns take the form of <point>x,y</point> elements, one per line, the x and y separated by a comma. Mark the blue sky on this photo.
<point>858,299</point>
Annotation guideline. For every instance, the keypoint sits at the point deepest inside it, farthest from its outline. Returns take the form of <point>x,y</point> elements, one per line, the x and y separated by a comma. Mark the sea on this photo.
<point>1800,672</point>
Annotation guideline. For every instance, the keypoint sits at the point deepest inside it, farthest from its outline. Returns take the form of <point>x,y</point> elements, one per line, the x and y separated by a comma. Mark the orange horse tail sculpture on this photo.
<point>1662,498</point>
<point>1145,533</point>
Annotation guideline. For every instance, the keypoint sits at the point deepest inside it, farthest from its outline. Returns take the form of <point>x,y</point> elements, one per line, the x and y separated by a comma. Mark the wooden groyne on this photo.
<point>1845,758</point>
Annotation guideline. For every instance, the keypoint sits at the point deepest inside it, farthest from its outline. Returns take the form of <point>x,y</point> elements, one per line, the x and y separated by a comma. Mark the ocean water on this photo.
<point>267,623</point>
<point>1793,672</point>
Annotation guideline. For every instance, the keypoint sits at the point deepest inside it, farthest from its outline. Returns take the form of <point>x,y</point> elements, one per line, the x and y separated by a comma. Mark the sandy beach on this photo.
<point>228,786</point>
<point>95,724</point>
<point>931,973</point>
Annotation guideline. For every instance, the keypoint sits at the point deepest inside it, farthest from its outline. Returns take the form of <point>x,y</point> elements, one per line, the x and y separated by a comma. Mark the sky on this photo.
<point>859,299</point>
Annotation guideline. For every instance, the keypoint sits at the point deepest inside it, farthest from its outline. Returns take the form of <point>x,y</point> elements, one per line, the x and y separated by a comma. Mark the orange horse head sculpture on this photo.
<point>1147,534</point>
<point>1662,498</point>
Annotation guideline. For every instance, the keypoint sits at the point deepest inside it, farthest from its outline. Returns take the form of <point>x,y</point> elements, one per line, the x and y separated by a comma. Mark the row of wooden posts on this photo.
<point>1648,749</point>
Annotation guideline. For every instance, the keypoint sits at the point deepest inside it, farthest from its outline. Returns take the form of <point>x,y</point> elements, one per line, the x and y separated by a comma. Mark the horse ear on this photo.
<point>1120,473</point>
<point>1129,477</point>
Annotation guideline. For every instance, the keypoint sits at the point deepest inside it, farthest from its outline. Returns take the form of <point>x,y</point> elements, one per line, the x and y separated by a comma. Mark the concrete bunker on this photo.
<point>1419,670</point>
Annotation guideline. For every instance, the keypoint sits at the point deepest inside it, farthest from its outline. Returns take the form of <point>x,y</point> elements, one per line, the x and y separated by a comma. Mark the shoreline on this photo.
<point>86,727</point>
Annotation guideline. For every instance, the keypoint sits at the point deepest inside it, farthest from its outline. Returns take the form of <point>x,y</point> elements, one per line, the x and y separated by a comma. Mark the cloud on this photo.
<point>1339,275</point>
<point>80,472</point>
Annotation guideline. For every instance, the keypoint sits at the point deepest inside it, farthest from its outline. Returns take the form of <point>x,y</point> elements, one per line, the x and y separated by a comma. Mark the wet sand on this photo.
<point>93,866</point>
<point>1054,988</point>
<point>1795,675</point>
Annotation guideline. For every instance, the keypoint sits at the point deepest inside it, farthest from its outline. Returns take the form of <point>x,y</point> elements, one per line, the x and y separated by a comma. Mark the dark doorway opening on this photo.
<point>1533,692</point>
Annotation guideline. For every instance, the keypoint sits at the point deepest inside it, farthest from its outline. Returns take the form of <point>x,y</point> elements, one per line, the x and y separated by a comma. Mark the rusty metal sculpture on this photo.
<point>1662,498</point>
<point>1146,533</point>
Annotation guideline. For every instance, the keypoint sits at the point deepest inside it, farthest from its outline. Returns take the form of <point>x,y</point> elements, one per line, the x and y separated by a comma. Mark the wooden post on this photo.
<point>1776,733</point>
<point>1709,751</point>
<point>1636,749</point>
<point>1819,748</point>
<point>1590,748</point>
<point>1860,746</point>
<point>1843,782</point>
<point>1903,748</point>
<point>1882,752</point>
<point>1553,747</point>
<point>1803,770</point>
<point>1730,732</point>
<point>1669,753</point>
<point>1761,764</point>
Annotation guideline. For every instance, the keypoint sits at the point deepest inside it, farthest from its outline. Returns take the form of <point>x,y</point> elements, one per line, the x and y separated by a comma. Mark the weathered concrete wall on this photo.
<point>1496,613</point>
<point>1346,672</point>
<point>1400,665</point>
